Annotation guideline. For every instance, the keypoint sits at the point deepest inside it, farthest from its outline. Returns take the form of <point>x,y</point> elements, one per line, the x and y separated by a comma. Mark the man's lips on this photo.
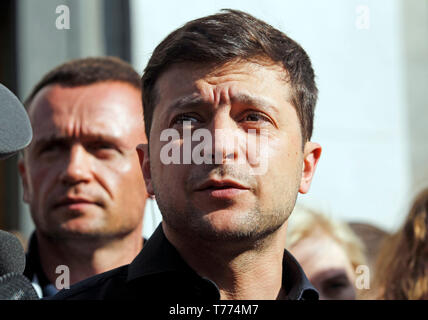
<point>221,188</point>
<point>220,184</point>
<point>75,202</point>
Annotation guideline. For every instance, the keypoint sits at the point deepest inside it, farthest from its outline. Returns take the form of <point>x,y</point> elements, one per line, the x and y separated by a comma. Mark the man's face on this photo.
<point>81,173</point>
<point>226,199</point>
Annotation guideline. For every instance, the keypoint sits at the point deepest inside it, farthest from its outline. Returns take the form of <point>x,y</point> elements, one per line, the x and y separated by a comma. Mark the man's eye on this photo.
<point>104,146</point>
<point>255,117</point>
<point>101,146</point>
<point>182,118</point>
<point>51,147</point>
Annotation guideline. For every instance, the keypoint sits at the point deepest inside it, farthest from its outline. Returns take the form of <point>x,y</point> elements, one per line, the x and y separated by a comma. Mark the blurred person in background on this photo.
<point>402,266</point>
<point>372,238</point>
<point>328,251</point>
<point>81,174</point>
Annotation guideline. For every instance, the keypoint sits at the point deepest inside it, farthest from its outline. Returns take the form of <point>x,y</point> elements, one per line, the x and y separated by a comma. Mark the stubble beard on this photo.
<point>60,231</point>
<point>252,226</point>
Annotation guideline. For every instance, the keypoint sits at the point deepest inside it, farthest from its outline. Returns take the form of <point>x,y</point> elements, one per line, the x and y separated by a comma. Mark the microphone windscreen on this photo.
<point>15,286</point>
<point>15,127</point>
<point>12,255</point>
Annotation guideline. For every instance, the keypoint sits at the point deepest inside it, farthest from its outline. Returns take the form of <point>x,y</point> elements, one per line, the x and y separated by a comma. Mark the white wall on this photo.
<point>366,173</point>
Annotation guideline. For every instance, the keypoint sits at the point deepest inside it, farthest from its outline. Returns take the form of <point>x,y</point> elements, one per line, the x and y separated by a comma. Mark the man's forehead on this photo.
<point>99,96</point>
<point>56,110</point>
<point>194,71</point>
<point>70,129</point>
<point>92,101</point>
<point>186,84</point>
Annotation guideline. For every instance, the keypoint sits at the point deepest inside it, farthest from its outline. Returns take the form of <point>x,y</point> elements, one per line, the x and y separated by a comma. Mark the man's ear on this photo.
<point>311,155</point>
<point>143,156</point>
<point>24,178</point>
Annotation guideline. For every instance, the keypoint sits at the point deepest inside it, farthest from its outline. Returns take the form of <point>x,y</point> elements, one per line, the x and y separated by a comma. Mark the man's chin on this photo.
<point>237,226</point>
<point>225,226</point>
<point>78,228</point>
<point>78,233</point>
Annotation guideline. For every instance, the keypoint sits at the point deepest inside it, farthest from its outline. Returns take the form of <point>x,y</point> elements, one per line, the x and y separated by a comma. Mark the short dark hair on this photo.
<point>227,36</point>
<point>86,71</point>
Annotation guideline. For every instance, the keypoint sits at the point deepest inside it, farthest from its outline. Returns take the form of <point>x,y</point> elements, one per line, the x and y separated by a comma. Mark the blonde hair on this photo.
<point>305,222</point>
<point>402,264</point>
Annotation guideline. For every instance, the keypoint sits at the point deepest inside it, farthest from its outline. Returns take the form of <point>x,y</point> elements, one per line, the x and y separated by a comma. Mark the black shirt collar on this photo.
<point>294,280</point>
<point>33,266</point>
<point>160,256</point>
<point>157,256</point>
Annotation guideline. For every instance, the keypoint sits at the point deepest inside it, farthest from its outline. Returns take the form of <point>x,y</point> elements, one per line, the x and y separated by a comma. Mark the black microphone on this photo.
<point>15,127</point>
<point>13,285</point>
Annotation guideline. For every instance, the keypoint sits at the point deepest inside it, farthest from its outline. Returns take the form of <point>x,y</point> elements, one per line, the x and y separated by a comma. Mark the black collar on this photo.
<point>33,267</point>
<point>159,256</point>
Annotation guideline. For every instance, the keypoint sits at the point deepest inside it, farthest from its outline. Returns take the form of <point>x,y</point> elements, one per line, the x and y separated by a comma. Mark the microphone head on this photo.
<point>12,255</point>
<point>15,127</point>
<point>14,286</point>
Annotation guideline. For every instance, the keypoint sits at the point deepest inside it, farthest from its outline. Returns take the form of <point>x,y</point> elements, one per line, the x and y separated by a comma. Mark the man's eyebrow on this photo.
<point>50,139</point>
<point>250,100</point>
<point>258,102</point>
<point>188,102</point>
<point>66,139</point>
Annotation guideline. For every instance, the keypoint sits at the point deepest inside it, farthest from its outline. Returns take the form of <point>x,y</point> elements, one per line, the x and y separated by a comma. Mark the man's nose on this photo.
<point>226,139</point>
<point>78,167</point>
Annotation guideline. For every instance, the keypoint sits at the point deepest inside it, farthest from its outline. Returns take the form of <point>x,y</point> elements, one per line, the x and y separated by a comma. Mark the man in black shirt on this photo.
<point>81,173</point>
<point>228,105</point>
